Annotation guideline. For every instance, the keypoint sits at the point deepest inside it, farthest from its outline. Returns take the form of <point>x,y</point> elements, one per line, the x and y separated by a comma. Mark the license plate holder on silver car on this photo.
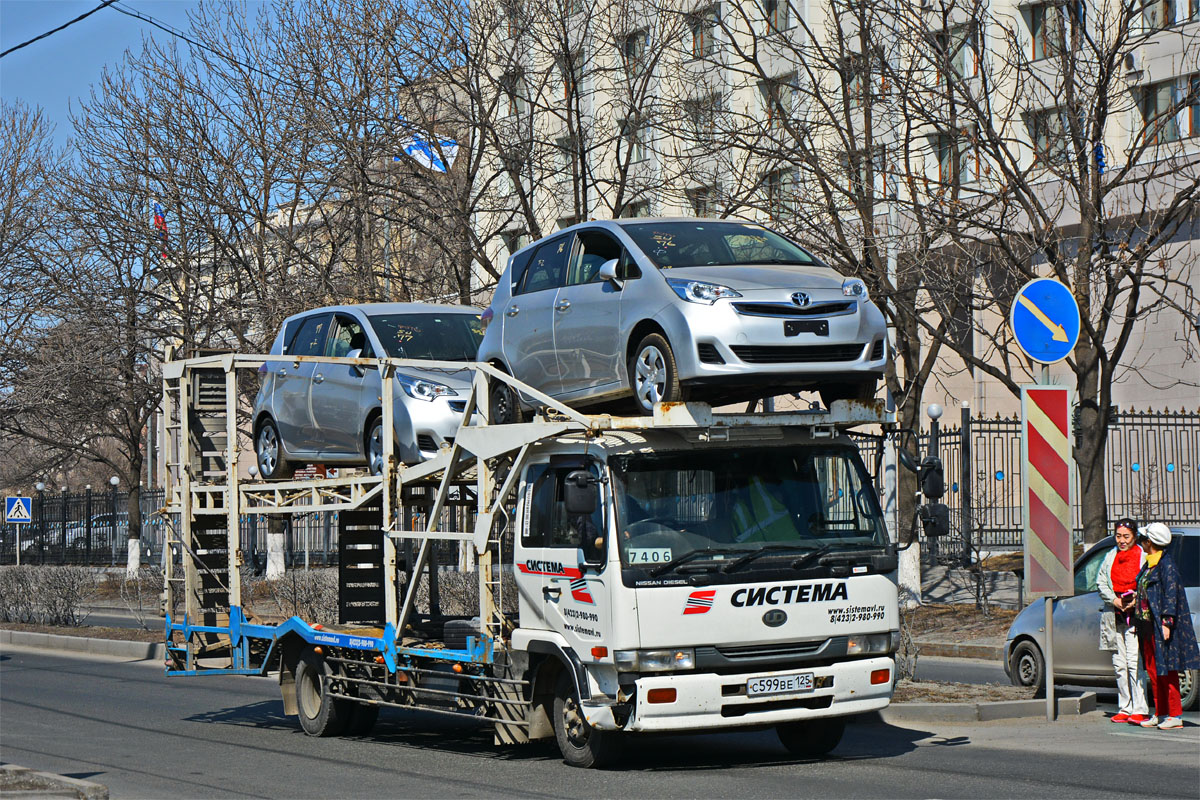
<point>793,683</point>
<point>795,327</point>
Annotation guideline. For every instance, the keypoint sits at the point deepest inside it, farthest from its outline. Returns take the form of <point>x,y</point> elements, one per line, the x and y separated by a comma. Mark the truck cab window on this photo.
<point>548,524</point>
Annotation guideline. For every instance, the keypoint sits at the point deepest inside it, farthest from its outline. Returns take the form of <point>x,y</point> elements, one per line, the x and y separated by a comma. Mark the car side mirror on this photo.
<point>355,368</point>
<point>608,272</point>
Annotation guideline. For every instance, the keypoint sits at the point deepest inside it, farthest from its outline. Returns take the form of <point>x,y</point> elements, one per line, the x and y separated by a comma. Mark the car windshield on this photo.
<point>725,504</point>
<point>702,244</point>
<point>436,337</point>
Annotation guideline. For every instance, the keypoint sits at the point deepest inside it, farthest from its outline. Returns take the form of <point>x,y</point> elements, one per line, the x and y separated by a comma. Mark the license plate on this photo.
<point>795,327</point>
<point>780,684</point>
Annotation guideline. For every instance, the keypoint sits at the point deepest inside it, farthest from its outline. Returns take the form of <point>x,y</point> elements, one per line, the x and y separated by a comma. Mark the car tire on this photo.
<point>812,738</point>
<point>581,744</point>
<point>653,375</point>
<point>504,407</point>
<point>268,451</point>
<point>861,391</point>
<point>373,445</point>
<point>320,714</point>
<point>1028,667</point>
<point>1189,689</point>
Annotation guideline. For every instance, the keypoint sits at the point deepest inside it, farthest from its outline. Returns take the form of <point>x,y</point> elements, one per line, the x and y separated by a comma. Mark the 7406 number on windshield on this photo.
<point>649,555</point>
<point>780,684</point>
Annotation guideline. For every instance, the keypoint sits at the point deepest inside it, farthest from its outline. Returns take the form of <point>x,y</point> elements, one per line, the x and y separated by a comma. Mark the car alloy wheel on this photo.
<point>375,448</point>
<point>651,376</point>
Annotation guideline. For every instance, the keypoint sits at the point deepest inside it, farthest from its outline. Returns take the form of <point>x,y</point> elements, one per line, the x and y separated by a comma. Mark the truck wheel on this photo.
<point>1028,668</point>
<point>813,738</point>
<point>581,744</point>
<point>653,375</point>
<point>362,719</point>
<point>320,714</point>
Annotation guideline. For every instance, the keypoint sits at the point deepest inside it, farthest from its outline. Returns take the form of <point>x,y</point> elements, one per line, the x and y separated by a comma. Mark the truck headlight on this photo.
<point>869,644</point>
<point>853,287</point>
<point>422,389</point>
<point>654,660</point>
<point>699,291</point>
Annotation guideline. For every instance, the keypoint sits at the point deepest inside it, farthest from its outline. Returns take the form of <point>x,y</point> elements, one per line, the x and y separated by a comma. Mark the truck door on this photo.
<point>564,594</point>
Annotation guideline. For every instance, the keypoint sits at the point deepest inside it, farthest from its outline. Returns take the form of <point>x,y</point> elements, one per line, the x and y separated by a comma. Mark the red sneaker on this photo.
<point>1119,718</point>
<point>1136,719</point>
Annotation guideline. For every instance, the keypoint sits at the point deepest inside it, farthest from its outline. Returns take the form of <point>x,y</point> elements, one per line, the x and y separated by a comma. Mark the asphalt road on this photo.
<point>125,725</point>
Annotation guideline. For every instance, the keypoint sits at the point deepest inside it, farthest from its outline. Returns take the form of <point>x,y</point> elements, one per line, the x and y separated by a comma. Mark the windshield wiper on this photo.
<point>762,551</point>
<point>782,261</point>
<point>808,558</point>
<point>686,557</point>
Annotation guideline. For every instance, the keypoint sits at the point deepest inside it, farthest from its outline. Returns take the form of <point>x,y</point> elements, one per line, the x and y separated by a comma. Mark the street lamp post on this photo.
<point>41,490</point>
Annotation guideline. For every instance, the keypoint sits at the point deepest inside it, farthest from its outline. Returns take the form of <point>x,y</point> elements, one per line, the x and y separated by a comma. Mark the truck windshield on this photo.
<point>437,337</point>
<point>723,504</point>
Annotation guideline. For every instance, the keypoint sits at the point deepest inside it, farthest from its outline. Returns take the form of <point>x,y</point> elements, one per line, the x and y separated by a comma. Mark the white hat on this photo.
<point>1158,533</point>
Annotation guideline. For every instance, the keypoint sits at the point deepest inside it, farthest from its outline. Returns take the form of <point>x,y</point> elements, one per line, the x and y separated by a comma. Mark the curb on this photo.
<point>980,712</point>
<point>983,652</point>
<point>82,644</point>
<point>52,785</point>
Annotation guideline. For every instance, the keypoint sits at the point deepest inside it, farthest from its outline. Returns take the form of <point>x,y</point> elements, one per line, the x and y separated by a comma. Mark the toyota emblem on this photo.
<point>774,618</point>
<point>801,299</point>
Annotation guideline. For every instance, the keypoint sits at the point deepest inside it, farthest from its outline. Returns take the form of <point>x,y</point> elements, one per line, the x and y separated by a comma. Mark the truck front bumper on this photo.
<point>710,700</point>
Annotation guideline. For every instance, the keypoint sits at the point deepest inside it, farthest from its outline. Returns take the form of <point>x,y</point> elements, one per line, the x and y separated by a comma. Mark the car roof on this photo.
<point>371,309</point>
<point>626,222</point>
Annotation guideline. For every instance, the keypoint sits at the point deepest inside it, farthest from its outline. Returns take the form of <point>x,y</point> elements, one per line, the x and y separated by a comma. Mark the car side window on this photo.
<point>594,249</point>
<point>348,335</point>
<point>1187,557</point>
<point>547,522</point>
<point>548,266</point>
<point>310,339</point>
<point>1085,575</point>
<point>519,265</point>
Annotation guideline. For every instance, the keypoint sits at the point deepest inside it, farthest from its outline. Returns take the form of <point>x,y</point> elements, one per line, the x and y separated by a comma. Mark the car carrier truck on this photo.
<point>686,571</point>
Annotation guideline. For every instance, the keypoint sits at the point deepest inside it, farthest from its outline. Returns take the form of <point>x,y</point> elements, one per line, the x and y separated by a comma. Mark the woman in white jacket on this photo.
<point>1117,583</point>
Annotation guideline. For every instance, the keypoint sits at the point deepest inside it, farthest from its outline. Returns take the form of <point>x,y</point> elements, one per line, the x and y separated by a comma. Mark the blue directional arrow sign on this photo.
<point>18,510</point>
<point>1045,320</point>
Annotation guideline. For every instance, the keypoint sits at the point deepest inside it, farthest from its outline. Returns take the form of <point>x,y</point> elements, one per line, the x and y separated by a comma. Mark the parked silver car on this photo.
<point>663,309</point>
<point>331,413</point>
<point>1078,659</point>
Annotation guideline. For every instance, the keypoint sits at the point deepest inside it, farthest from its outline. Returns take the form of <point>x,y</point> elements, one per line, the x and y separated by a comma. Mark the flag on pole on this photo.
<point>160,225</point>
<point>439,158</point>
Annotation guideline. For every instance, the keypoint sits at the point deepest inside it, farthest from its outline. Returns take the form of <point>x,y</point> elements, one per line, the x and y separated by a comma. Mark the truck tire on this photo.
<point>320,714</point>
<point>813,738</point>
<point>581,744</point>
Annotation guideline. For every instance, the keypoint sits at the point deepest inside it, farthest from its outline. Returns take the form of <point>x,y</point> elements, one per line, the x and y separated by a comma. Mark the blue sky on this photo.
<point>56,71</point>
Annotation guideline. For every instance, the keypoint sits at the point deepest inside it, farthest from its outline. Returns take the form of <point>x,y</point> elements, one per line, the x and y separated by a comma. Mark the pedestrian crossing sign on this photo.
<point>18,510</point>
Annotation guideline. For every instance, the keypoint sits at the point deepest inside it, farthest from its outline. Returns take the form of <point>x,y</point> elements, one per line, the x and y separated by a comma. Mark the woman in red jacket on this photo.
<point>1117,584</point>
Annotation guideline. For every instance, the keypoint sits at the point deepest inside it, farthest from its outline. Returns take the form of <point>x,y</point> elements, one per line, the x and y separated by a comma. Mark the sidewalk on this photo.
<point>955,585</point>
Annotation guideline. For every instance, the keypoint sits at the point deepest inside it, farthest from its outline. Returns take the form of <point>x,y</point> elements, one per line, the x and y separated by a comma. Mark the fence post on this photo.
<point>87,524</point>
<point>964,482</point>
<point>41,524</point>
<point>62,552</point>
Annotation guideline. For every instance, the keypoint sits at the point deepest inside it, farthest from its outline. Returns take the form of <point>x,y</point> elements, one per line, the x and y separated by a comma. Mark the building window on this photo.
<point>703,114</point>
<point>1158,14</point>
<point>960,46</point>
<point>639,209</point>
<point>515,93</point>
<point>778,15</point>
<point>633,133</point>
<point>778,97</point>
<point>704,32</point>
<point>958,158</point>
<point>703,200</point>
<point>1193,104</point>
<point>865,76</point>
<point>780,186</point>
<point>1160,106</point>
<point>1046,25</point>
<point>511,10</point>
<point>564,157</point>
<point>569,66</point>
<point>566,222</point>
<point>633,52</point>
<point>515,240</point>
<point>1051,133</point>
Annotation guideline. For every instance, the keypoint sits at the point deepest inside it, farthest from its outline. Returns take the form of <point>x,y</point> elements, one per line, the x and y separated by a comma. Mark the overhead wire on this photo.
<point>83,16</point>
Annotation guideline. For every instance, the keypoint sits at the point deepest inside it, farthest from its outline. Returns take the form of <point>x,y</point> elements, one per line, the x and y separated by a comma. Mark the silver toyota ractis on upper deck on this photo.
<point>330,413</point>
<point>664,309</point>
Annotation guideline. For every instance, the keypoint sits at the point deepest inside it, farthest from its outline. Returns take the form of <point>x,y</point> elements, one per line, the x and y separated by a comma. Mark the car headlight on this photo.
<point>869,644</point>
<point>853,287</point>
<point>654,660</point>
<point>699,291</point>
<point>423,390</point>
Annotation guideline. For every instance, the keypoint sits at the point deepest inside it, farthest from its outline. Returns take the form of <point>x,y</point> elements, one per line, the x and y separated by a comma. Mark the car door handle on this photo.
<point>549,592</point>
<point>318,378</point>
<point>512,311</point>
<point>562,305</point>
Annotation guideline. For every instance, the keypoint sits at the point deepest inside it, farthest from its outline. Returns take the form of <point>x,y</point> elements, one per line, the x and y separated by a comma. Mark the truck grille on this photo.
<point>797,354</point>
<point>780,650</point>
<point>742,709</point>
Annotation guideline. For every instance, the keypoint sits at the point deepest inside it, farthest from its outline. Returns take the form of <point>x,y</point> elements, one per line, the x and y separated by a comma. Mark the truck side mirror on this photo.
<point>906,460</point>
<point>935,519</point>
<point>608,272</point>
<point>581,492</point>
<point>932,477</point>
